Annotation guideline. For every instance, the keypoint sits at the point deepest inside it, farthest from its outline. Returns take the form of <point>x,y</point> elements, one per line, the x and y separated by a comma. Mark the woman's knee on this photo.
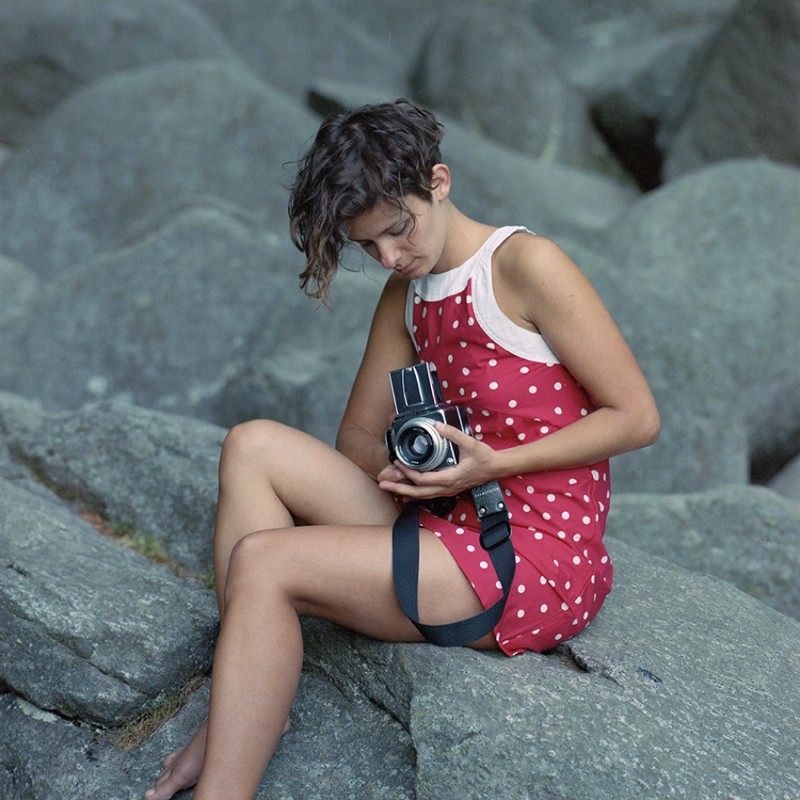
<point>255,564</point>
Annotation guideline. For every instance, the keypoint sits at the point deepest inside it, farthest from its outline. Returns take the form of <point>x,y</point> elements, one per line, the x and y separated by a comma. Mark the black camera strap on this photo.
<point>495,539</point>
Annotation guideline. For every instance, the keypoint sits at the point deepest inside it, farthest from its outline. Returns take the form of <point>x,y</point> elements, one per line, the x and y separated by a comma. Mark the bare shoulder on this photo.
<point>525,258</point>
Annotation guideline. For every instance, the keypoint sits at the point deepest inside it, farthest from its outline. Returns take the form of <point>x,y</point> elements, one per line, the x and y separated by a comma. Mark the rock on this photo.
<point>704,433</point>
<point>49,49</point>
<point>161,151</point>
<point>787,481</point>
<point>113,630</point>
<point>154,472</point>
<point>156,321</point>
<point>292,44</point>
<point>694,243</point>
<point>522,101</point>
<point>746,535</point>
<point>745,98</point>
<point>20,286</point>
<point>630,706</point>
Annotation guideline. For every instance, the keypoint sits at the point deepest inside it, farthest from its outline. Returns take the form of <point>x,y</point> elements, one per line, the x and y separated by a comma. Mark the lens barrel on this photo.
<point>420,446</point>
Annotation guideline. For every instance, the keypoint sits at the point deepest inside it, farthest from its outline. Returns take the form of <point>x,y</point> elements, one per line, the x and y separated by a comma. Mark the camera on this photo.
<point>412,438</point>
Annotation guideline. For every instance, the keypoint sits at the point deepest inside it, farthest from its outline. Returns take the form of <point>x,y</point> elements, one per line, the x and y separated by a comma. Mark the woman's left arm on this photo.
<point>539,287</point>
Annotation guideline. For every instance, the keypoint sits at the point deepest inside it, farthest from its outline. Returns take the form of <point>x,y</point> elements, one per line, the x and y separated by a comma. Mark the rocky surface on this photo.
<point>148,301</point>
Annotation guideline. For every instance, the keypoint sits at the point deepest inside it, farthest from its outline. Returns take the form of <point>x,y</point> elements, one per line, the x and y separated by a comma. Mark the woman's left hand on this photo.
<point>475,462</point>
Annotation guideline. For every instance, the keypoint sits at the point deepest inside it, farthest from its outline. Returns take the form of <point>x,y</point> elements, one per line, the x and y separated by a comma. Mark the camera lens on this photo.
<point>420,446</point>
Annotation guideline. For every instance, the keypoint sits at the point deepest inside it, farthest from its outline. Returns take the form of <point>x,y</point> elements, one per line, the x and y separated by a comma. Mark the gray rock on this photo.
<point>745,93</point>
<point>48,49</point>
<point>121,156</point>
<point>671,686</point>
<point>746,535</point>
<point>152,471</point>
<point>154,322</point>
<point>113,630</point>
<point>20,286</point>
<point>787,481</point>
<point>704,436</point>
<point>522,101</point>
<point>695,244</point>
<point>292,43</point>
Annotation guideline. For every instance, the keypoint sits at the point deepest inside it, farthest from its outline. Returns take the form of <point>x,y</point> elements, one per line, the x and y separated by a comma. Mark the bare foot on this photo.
<point>182,768</point>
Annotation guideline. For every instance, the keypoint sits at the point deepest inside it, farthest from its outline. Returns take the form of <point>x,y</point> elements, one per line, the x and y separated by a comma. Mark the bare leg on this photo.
<point>335,572</point>
<point>269,474</point>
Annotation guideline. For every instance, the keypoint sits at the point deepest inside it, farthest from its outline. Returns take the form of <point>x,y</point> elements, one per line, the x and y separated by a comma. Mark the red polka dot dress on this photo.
<point>515,390</point>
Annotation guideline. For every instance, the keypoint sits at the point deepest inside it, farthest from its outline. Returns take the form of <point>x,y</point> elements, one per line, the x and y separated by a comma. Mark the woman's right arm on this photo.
<point>370,407</point>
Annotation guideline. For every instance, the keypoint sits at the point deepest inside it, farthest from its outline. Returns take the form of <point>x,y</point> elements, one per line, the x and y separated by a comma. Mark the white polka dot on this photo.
<point>576,537</point>
<point>509,420</point>
<point>417,299</point>
<point>543,608</point>
<point>524,370</point>
<point>538,535</point>
<point>490,346</point>
<point>530,490</point>
<point>564,607</point>
<point>450,359</point>
<point>463,344</point>
<point>470,321</point>
<point>484,565</point>
<point>521,437</point>
<point>470,548</point>
<point>493,385</point>
<point>578,600</point>
<point>455,324</point>
<point>521,588</point>
<point>543,580</point>
<point>558,386</point>
<point>567,585</point>
<point>512,403</point>
<point>576,560</point>
<point>604,560</point>
<point>565,515</point>
<point>521,613</point>
<point>544,429</point>
<point>595,474</point>
<point>492,362</point>
<point>558,410</point>
<point>458,300</point>
<point>459,531</point>
<point>546,515</point>
<point>551,498</point>
<point>586,520</point>
<point>562,535</point>
<point>558,637</point>
<point>532,389</point>
<point>526,508</point>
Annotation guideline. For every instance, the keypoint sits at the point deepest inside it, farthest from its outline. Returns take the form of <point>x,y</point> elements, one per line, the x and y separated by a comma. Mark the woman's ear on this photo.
<point>440,180</point>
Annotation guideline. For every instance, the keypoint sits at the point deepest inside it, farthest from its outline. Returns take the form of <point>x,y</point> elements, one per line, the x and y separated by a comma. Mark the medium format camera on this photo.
<point>412,438</point>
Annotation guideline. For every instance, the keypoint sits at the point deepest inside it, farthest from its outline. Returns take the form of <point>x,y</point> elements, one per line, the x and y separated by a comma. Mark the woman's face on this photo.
<point>407,240</point>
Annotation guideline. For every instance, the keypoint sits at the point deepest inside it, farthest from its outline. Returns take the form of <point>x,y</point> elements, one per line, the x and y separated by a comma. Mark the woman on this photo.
<point>519,339</point>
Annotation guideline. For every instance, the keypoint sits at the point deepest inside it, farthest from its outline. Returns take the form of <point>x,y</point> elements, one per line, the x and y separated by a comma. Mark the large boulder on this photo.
<point>743,98</point>
<point>522,101</point>
<point>695,244</point>
<point>746,535</point>
<point>291,45</point>
<point>49,48</point>
<point>121,156</point>
<point>155,321</point>
<point>92,630</point>
<point>155,473</point>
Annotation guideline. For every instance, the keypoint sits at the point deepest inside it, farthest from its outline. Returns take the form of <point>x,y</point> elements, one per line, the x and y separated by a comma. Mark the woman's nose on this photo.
<point>389,256</point>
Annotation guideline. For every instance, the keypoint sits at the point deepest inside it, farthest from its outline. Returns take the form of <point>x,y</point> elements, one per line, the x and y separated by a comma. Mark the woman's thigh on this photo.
<point>315,482</point>
<point>344,574</point>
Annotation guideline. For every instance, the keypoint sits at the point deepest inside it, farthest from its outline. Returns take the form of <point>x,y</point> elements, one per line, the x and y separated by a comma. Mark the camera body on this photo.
<point>412,437</point>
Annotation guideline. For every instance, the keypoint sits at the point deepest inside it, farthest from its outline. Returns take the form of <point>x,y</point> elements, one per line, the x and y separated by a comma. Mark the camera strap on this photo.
<point>495,538</point>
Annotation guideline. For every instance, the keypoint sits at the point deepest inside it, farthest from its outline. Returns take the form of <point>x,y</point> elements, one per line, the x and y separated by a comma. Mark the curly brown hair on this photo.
<point>375,153</point>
